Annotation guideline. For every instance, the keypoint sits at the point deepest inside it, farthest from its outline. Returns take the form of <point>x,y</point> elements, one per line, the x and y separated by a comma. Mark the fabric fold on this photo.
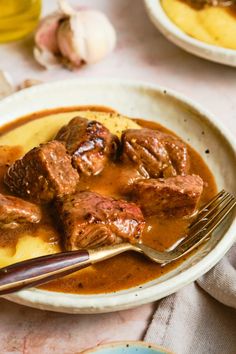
<point>196,319</point>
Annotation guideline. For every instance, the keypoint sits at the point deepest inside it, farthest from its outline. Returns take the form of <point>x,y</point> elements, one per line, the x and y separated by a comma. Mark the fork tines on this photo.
<point>222,200</point>
<point>207,220</point>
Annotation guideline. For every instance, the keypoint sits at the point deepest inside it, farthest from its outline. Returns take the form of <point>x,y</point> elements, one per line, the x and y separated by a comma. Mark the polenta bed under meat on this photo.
<point>95,186</point>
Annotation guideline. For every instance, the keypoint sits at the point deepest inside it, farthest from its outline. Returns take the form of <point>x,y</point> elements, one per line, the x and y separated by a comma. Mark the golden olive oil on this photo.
<point>18,18</point>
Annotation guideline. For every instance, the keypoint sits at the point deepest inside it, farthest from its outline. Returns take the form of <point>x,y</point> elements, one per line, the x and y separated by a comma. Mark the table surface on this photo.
<point>142,53</point>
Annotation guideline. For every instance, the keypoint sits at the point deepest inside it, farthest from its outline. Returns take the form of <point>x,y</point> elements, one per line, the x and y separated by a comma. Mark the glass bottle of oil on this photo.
<point>18,18</point>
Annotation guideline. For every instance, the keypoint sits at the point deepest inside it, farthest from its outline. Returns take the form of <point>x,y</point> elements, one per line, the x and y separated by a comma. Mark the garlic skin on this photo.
<point>46,34</point>
<point>86,36</point>
<point>65,8</point>
<point>6,84</point>
<point>46,47</point>
<point>73,38</point>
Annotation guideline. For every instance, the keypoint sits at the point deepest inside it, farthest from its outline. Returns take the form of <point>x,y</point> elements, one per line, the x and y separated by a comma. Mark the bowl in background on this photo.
<point>173,33</point>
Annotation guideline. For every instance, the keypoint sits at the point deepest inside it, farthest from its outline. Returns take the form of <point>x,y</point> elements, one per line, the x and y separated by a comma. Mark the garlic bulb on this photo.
<point>86,37</point>
<point>73,37</point>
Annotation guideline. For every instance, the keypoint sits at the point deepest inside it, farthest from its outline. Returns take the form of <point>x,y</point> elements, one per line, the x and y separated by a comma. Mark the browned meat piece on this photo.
<point>174,196</point>
<point>43,173</point>
<point>91,220</point>
<point>15,211</point>
<point>177,151</point>
<point>143,147</point>
<point>90,144</point>
<point>157,154</point>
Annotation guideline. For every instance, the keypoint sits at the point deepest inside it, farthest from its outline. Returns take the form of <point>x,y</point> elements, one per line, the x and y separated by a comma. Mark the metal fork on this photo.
<point>40,270</point>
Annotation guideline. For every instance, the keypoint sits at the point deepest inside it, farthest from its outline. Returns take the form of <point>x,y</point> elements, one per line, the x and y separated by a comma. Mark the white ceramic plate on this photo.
<point>183,40</point>
<point>174,111</point>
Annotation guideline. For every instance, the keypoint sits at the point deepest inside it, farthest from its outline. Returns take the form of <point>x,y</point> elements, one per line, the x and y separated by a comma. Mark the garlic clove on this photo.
<point>6,84</point>
<point>46,33</point>
<point>46,58</point>
<point>29,83</point>
<point>46,50</point>
<point>96,35</point>
<point>87,36</point>
<point>65,8</point>
<point>68,51</point>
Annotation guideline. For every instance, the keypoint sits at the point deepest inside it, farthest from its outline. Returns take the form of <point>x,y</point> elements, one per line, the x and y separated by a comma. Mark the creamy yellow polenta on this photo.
<point>44,129</point>
<point>213,25</point>
<point>32,134</point>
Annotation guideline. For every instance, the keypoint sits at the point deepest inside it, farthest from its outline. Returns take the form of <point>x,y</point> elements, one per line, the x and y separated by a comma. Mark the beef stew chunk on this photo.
<point>155,153</point>
<point>177,151</point>
<point>15,212</point>
<point>44,173</point>
<point>92,220</point>
<point>89,143</point>
<point>174,196</point>
<point>143,148</point>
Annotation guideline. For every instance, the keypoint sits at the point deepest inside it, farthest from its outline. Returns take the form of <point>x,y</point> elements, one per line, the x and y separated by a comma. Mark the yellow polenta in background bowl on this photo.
<point>208,32</point>
<point>213,25</point>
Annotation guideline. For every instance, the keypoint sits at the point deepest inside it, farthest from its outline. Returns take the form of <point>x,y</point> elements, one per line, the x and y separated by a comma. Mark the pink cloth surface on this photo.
<point>142,53</point>
<point>30,331</point>
<point>192,321</point>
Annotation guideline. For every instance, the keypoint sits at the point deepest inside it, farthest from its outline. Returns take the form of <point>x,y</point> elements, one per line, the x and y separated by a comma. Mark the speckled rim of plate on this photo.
<point>180,38</point>
<point>128,344</point>
<point>133,99</point>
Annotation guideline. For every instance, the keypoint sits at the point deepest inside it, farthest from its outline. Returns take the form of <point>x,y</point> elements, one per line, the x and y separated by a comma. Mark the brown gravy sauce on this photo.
<point>126,270</point>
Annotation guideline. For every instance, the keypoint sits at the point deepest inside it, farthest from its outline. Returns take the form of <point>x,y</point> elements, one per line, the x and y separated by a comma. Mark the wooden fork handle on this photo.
<point>37,271</point>
<point>41,270</point>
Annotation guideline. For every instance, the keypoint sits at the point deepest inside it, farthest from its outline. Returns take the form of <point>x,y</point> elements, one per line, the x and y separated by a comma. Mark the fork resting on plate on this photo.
<point>41,270</point>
